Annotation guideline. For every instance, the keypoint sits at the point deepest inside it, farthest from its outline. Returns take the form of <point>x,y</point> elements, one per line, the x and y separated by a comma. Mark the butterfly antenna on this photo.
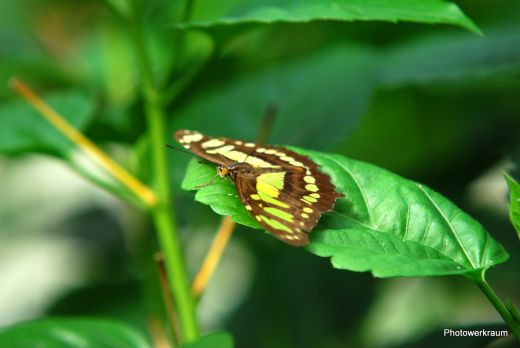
<point>177,149</point>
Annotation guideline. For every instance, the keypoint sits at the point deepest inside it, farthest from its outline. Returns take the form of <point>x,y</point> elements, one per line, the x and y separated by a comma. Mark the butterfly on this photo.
<point>284,191</point>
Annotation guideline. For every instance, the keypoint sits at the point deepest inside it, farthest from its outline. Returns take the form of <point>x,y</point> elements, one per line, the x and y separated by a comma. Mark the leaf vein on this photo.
<point>406,226</point>
<point>447,221</point>
<point>369,211</point>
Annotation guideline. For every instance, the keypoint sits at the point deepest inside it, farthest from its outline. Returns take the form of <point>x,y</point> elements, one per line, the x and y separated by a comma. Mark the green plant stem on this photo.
<point>499,306</point>
<point>163,213</point>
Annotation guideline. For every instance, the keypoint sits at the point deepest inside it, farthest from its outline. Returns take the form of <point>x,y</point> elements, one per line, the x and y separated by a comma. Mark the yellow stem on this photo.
<point>141,190</point>
<point>213,257</point>
<point>227,225</point>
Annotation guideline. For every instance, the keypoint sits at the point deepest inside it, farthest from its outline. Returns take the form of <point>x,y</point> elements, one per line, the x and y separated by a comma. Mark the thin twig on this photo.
<point>128,180</point>
<point>213,256</point>
<point>227,225</point>
<point>168,303</point>
<point>267,124</point>
<point>157,334</point>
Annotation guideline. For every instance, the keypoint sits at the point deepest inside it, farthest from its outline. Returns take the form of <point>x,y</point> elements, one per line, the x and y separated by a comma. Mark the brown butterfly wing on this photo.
<point>288,207</point>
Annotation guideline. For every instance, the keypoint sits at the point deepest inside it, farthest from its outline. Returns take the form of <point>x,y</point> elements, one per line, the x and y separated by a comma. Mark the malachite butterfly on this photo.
<point>284,191</point>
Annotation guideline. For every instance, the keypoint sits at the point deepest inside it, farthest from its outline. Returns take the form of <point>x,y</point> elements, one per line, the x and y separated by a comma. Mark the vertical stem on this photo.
<point>499,306</point>
<point>163,212</point>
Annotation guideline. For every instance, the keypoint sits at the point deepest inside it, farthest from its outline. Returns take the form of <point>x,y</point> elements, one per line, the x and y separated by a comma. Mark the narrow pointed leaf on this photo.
<point>514,203</point>
<point>208,13</point>
<point>385,224</point>
<point>22,129</point>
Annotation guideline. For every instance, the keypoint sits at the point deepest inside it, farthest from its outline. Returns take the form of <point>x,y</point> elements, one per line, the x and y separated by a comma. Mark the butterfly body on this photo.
<point>284,191</point>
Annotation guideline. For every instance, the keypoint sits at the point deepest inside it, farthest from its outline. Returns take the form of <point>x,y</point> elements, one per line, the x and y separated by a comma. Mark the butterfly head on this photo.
<point>223,171</point>
<point>238,168</point>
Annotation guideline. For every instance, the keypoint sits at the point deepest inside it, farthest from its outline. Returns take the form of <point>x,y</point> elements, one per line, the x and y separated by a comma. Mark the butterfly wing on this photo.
<point>204,147</point>
<point>284,191</point>
<point>281,203</point>
<point>271,212</point>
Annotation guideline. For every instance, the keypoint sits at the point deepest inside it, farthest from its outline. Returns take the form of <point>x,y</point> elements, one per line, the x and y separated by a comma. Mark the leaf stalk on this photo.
<point>499,306</point>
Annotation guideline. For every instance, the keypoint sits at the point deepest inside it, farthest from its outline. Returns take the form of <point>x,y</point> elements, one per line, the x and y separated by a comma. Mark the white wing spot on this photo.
<point>296,163</point>
<point>309,179</point>
<point>190,138</point>
<point>260,150</point>
<point>249,145</point>
<point>307,210</point>
<point>311,187</point>
<point>212,143</point>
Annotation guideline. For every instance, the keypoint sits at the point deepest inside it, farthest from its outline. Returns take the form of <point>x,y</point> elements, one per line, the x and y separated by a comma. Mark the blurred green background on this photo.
<point>434,103</point>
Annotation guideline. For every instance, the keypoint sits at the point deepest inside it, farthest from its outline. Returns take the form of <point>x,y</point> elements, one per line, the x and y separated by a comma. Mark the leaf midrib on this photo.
<point>369,211</point>
<point>453,232</point>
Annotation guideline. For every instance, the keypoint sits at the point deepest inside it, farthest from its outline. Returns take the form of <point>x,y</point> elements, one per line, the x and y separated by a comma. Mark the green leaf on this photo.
<point>23,129</point>
<point>464,57</point>
<point>72,332</point>
<point>214,340</point>
<point>385,224</point>
<point>514,203</point>
<point>323,93</point>
<point>220,194</point>
<point>207,13</point>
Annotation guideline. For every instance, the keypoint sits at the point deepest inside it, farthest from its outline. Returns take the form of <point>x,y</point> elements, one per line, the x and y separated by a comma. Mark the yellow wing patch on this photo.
<point>274,179</point>
<point>274,224</point>
<point>280,214</point>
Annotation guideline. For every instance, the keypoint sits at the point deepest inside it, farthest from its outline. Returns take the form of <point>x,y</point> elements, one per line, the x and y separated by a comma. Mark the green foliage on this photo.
<point>324,109</point>
<point>464,57</point>
<point>72,333</point>
<point>220,194</point>
<point>22,129</point>
<point>217,339</point>
<point>514,202</point>
<point>433,102</point>
<point>385,224</point>
<point>208,13</point>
